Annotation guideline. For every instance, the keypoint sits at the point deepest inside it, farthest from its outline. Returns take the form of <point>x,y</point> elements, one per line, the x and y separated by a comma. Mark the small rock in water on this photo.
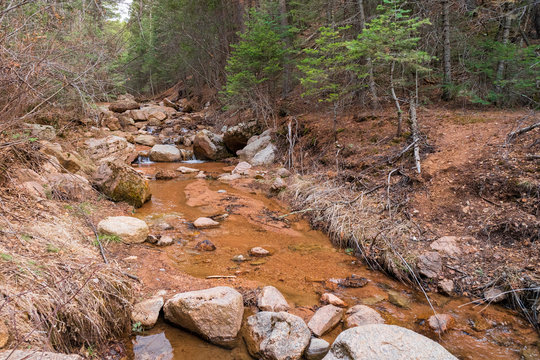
<point>494,295</point>
<point>353,281</point>
<point>201,175</point>
<point>187,170</point>
<point>165,240</point>
<point>153,239</point>
<point>164,226</point>
<point>222,191</point>
<point>165,175</point>
<point>270,299</point>
<point>325,319</point>
<point>205,245</point>
<point>221,217</point>
<point>317,349</point>
<point>259,252</point>
<point>205,223</point>
<point>360,315</point>
<point>440,322</point>
<point>229,177</point>
<point>398,299</point>
<point>332,299</point>
<point>147,312</point>
<point>239,258</point>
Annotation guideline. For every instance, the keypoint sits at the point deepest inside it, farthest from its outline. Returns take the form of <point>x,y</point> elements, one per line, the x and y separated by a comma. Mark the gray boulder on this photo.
<point>254,145</point>
<point>360,315</point>
<point>147,311</point>
<point>208,145</point>
<point>385,342</point>
<point>276,336</point>
<point>325,319</point>
<point>121,182</point>
<point>317,349</point>
<point>215,314</point>
<point>236,137</point>
<point>123,105</point>
<point>129,229</point>
<point>270,299</point>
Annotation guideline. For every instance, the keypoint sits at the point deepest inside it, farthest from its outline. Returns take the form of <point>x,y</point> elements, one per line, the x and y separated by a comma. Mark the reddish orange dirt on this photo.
<point>303,265</point>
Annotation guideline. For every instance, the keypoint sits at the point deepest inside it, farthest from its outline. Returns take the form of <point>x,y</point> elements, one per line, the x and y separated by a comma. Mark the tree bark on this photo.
<point>505,37</point>
<point>415,135</point>
<point>447,81</point>
<point>396,100</point>
<point>287,41</point>
<point>369,62</point>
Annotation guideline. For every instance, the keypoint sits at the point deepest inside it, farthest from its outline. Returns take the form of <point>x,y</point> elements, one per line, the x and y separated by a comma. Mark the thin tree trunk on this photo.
<point>505,38</point>
<point>447,81</point>
<point>415,134</point>
<point>287,65</point>
<point>334,124</point>
<point>396,100</point>
<point>371,77</point>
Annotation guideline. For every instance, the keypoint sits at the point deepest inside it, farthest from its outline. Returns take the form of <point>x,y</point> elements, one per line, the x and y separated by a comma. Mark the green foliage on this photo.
<point>109,239</point>
<point>257,59</point>
<point>393,37</point>
<point>6,257</point>
<point>137,327</point>
<point>52,249</point>
<point>327,65</point>
<point>522,72</point>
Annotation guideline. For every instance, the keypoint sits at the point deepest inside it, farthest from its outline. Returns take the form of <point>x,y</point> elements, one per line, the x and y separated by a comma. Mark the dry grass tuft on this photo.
<point>356,220</point>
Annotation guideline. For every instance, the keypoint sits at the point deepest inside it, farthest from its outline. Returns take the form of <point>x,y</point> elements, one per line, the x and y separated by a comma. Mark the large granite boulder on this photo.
<point>236,137</point>
<point>165,153</point>
<point>123,105</point>
<point>147,311</point>
<point>215,314</point>
<point>259,150</point>
<point>121,182</point>
<point>208,145</point>
<point>385,342</point>
<point>111,148</point>
<point>131,230</point>
<point>276,336</point>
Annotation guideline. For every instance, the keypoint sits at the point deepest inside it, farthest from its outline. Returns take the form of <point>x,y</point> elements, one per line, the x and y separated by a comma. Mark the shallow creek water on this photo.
<point>302,266</point>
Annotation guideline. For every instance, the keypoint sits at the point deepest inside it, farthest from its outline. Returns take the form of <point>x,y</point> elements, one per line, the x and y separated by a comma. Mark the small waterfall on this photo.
<point>141,160</point>
<point>193,160</point>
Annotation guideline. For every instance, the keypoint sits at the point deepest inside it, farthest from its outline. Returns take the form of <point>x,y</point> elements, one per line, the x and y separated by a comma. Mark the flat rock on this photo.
<point>398,299</point>
<point>332,299</point>
<point>276,336</point>
<point>201,175</point>
<point>35,355</point>
<point>131,230</point>
<point>494,295</point>
<point>271,299</point>
<point>385,342</point>
<point>147,312</point>
<point>325,319</point>
<point>215,314</point>
<point>205,223</point>
<point>112,148</point>
<point>259,252</point>
<point>430,264</point>
<point>440,322</point>
<point>360,315</point>
<point>165,153</point>
<point>187,170</point>
<point>317,349</point>
<point>147,140</point>
<point>121,106</point>
<point>447,245</point>
<point>229,177</point>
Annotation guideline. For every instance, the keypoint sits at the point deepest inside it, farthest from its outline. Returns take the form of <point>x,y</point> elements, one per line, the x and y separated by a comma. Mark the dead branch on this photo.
<point>522,131</point>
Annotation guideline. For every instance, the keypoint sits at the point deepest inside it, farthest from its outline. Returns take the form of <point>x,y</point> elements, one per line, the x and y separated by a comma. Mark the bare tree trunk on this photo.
<point>287,66</point>
<point>415,134</point>
<point>447,81</point>
<point>371,77</point>
<point>505,37</point>
<point>396,100</point>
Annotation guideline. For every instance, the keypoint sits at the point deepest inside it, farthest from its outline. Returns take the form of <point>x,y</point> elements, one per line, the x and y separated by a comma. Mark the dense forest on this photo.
<point>254,53</point>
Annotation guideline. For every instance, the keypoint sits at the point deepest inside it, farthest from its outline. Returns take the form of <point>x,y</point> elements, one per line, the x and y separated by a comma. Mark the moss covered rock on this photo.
<point>121,182</point>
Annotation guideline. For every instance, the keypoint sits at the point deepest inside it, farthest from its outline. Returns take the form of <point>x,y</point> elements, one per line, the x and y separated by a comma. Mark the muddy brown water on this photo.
<point>303,265</point>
